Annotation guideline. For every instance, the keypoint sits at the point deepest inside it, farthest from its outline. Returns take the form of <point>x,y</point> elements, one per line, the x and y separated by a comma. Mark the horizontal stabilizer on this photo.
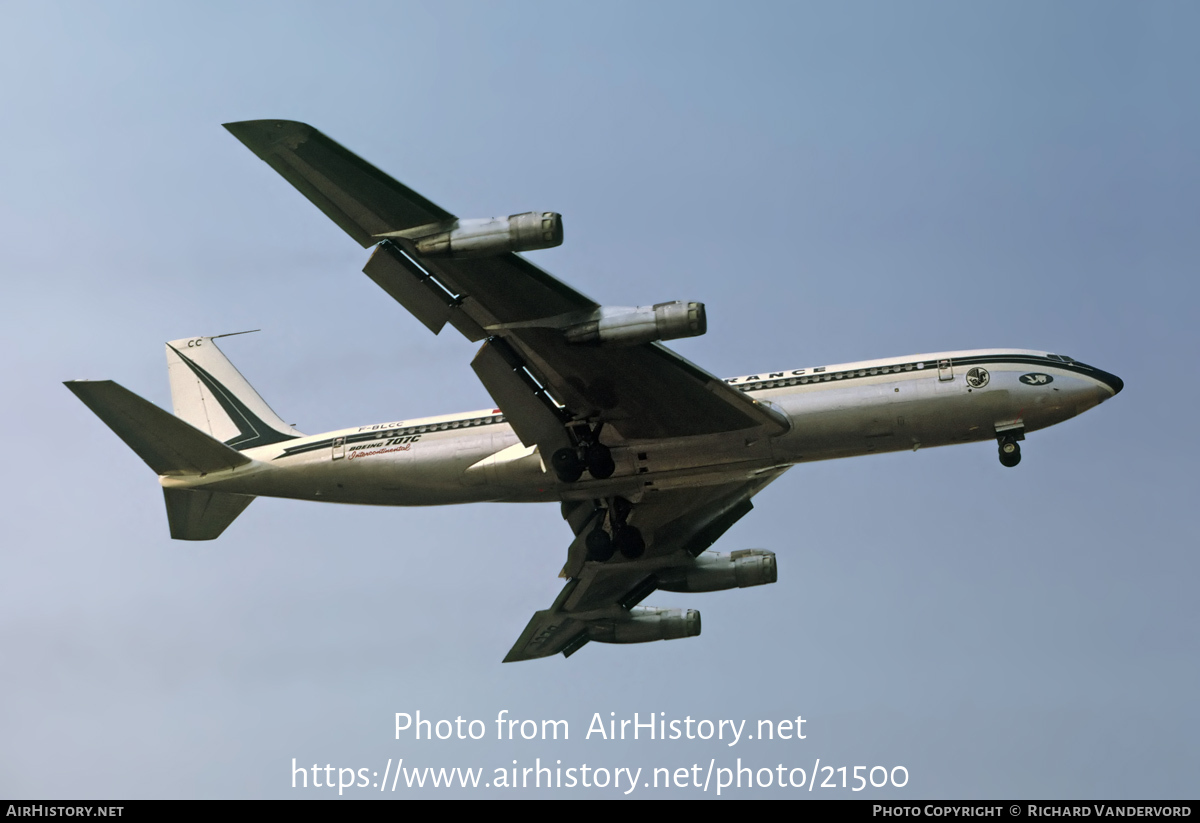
<point>196,514</point>
<point>167,444</point>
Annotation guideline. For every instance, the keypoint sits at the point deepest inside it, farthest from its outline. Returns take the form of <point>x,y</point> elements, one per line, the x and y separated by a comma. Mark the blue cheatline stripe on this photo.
<point>252,431</point>
<point>395,431</point>
<point>1111,380</point>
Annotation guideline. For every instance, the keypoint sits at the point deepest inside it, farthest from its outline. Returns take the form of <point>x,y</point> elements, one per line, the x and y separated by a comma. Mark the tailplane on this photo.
<point>217,416</point>
<point>208,392</point>
<point>169,445</point>
<point>173,448</point>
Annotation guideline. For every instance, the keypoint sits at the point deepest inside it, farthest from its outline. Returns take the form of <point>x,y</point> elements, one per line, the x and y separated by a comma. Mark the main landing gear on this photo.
<point>1010,450</point>
<point>611,532</point>
<point>603,543</point>
<point>587,453</point>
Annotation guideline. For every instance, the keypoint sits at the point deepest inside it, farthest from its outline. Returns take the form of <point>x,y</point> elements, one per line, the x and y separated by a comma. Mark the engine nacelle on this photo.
<point>619,326</point>
<point>489,236</point>
<point>714,571</point>
<point>646,623</point>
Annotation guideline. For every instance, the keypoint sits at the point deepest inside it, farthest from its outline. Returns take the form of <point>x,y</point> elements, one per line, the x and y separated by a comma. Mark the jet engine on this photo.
<point>489,236</point>
<point>620,326</point>
<point>646,623</point>
<point>714,571</point>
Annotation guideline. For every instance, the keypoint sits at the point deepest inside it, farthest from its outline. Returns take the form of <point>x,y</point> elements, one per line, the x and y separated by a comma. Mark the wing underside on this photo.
<point>551,388</point>
<point>642,392</point>
<point>599,598</point>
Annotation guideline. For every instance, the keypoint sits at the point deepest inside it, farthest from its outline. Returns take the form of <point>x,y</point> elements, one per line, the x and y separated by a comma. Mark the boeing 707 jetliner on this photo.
<point>651,458</point>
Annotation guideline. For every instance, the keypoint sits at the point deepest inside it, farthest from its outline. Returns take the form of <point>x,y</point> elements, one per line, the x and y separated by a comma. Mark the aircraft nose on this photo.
<point>1111,381</point>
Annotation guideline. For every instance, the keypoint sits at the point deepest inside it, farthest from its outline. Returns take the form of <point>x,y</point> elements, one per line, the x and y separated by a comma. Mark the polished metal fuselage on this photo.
<point>835,411</point>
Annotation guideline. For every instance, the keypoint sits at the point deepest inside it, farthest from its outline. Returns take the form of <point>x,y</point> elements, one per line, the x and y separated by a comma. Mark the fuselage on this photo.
<point>842,410</point>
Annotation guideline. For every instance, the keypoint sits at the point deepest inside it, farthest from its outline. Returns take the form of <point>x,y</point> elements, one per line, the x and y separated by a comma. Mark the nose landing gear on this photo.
<point>1010,451</point>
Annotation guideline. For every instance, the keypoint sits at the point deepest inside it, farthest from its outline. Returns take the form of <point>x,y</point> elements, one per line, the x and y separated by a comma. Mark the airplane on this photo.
<point>651,458</point>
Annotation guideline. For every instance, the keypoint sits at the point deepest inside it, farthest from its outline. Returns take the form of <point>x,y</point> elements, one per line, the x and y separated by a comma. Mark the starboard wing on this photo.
<point>642,391</point>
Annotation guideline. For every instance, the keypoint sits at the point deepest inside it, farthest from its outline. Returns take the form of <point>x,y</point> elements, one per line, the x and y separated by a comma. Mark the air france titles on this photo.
<point>658,728</point>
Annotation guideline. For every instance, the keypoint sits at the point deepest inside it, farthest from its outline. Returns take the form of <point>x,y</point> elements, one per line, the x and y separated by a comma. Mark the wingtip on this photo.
<point>261,134</point>
<point>268,121</point>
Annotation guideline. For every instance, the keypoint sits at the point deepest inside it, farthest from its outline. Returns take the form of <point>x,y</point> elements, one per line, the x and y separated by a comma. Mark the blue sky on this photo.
<point>835,181</point>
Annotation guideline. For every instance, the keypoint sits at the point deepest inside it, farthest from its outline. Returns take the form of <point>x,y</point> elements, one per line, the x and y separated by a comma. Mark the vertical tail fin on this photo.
<point>208,392</point>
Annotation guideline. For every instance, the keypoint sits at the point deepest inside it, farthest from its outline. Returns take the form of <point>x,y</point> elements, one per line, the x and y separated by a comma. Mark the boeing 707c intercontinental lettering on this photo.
<point>651,458</point>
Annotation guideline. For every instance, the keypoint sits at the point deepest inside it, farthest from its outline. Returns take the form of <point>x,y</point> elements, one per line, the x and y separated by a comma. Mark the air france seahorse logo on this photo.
<point>1036,379</point>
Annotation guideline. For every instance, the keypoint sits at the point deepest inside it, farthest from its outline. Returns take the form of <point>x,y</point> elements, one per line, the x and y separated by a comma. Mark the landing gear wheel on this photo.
<point>1010,453</point>
<point>567,465</point>
<point>600,546</point>
<point>629,541</point>
<point>600,464</point>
